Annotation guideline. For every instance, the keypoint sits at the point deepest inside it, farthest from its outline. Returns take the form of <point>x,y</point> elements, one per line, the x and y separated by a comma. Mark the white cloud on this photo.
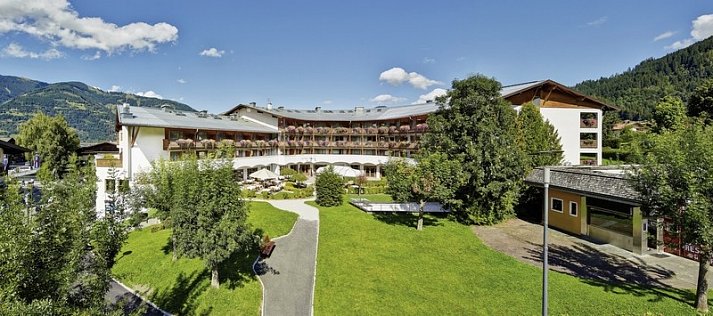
<point>386,98</point>
<point>429,60</point>
<point>149,94</point>
<point>57,22</point>
<point>327,102</point>
<point>396,76</point>
<point>114,88</point>
<point>212,52</point>
<point>181,81</point>
<point>702,29</point>
<point>96,56</point>
<point>431,96</point>
<point>598,21</point>
<point>461,58</point>
<point>664,35</point>
<point>17,51</point>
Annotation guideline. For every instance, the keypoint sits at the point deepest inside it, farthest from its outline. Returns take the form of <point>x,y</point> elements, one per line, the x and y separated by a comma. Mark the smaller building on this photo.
<point>10,154</point>
<point>599,203</point>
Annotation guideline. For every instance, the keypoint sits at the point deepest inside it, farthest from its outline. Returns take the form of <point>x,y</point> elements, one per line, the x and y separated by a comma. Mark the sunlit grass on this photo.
<point>182,287</point>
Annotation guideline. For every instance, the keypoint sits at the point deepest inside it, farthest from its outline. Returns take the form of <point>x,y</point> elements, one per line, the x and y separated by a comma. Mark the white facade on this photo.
<point>567,123</point>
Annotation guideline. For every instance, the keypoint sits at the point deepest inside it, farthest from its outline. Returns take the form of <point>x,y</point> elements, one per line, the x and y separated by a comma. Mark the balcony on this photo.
<point>374,130</point>
<point>211,144</point>
<point>108,161</point>
<point>588,143</point>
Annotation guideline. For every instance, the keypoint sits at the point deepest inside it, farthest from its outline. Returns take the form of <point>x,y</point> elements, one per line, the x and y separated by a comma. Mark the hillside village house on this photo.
<point>362,138</point>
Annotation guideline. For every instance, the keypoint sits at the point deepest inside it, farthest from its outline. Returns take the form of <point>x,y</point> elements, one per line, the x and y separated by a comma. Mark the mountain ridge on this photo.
<point>88,109</point>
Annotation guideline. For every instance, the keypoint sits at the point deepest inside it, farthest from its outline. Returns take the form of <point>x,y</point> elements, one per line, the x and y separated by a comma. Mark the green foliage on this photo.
<point>669,114</point>
<point>47,258</point>
<point>399,179</point>
<point>536,136</point>
<point>637,90</point>
<point>329,188</point>
<point>205,205</point>
<point>91,111</point>
<point>676,182</point>
<point>51,138</point>
<point>299,177</point>
<point>436,178</point>
<point>701,100</point>
<point>478,128</point>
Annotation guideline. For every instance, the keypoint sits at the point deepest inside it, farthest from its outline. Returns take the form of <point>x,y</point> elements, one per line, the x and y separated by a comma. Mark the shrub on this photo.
<point>329,188</point>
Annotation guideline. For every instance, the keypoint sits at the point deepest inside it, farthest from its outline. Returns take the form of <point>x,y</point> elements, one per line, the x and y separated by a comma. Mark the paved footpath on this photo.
<point>288,275</point>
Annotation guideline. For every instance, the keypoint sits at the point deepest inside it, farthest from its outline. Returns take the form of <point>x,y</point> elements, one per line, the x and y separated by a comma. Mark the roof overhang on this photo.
<point>544,90</point>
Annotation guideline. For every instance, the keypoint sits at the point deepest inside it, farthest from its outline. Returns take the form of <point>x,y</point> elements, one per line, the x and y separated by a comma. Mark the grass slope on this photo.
<point>183,287</point>
<point>369,265</point>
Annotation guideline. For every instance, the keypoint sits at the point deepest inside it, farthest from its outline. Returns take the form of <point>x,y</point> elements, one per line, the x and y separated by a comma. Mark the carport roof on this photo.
<point>607,182</point>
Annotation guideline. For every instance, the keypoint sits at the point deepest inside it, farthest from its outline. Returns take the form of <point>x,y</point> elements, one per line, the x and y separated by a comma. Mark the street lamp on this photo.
<point>544,241</point>
<point>545,224</point>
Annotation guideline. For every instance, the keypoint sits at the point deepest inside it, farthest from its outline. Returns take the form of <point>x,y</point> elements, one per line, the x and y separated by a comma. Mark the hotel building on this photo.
<point>363,138</point>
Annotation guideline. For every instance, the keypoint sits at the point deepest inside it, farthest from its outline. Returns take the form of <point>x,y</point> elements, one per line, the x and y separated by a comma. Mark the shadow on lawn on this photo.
<point>406,219</point>
<point>612,272</point>
<point>182,297</point>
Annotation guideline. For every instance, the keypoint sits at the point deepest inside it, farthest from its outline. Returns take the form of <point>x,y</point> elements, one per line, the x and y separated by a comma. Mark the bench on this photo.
<point>266,249</point>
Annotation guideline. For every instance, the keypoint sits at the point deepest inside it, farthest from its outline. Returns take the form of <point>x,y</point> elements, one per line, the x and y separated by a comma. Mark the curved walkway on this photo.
<point>288,275</point>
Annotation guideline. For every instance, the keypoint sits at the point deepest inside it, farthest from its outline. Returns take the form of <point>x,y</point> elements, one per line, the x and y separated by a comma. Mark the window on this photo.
<point>110,185</point>
<point>174,135</point>
<point>556,205</point>
<point>573,210</point>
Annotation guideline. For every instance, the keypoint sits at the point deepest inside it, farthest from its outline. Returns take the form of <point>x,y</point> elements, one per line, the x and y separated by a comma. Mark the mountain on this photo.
<point>638,90</point>
<point>14,86</point>
<point>90,110</point>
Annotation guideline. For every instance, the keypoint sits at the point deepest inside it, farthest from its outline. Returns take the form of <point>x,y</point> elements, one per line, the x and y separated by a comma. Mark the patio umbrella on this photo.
<point>264,174</point>
<point>343,171</point>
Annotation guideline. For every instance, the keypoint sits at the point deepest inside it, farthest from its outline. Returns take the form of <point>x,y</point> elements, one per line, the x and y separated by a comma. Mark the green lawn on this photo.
<point>380,265</point>
<point>183,287</point>
<point>372,197</point>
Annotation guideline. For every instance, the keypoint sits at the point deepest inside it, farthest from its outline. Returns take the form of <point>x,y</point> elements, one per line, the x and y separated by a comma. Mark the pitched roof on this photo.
<point>394,112</point>
<point>378,113</point>
<point>10,148</point>
<point>141,116</point>
<point>607,182</point>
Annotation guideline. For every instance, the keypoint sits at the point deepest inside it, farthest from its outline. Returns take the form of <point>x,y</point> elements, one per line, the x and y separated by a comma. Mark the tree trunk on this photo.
<point>214,282</point>
<point>420,215</point>
<point>173,243</point>
<point>702,289</point>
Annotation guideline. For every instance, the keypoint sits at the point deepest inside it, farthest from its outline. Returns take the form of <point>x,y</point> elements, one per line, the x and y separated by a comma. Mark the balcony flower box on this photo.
<point>227,143</point>
<point>588,143</point>
<point>588,123</point>
<point>358,130</point>
<point>291,129</point>
<point>208,143</point>
<point>185,143</point>
<point>393,130</point>
<point>373,130</point>
<point>383,130</point>
<point>282,144</point>
<point>404,128</point>
<point>321,130</point>
<point>384,145</point>
<point>292,143</point>
<point>300,130</point>
<point>423,127</point>
<point>273,142</point>
<point>309,130</point>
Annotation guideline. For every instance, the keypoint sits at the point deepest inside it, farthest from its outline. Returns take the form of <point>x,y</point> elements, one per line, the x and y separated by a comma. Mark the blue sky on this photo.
<point>339,54</point>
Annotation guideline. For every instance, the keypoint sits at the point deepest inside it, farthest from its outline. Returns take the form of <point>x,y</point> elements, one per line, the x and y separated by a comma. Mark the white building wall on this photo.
<point>147,149</point>
<point>567,123</point>
<point>262,118</point>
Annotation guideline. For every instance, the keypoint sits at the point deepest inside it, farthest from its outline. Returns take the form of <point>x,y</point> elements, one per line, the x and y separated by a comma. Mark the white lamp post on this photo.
<point>545,266</point>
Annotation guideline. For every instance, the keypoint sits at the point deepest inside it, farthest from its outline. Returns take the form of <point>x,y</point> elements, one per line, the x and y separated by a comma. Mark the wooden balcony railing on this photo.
<point>588,143</point>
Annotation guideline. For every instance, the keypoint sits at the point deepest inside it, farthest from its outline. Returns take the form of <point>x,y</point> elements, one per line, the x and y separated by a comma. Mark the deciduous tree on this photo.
<point>475,126</point>
<point>676,182</point>
<point>669,114</point>
<point>52,138</point>
<point>701,101</point>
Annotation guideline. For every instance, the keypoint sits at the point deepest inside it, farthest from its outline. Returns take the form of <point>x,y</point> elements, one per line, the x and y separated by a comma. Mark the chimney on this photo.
<point>318,109</point>
<point>166,107</point>
<point>253,104</point>
<point>359,110</point>
<point>126,110</point>
<point>269,105</point>
<point>203,114</point>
